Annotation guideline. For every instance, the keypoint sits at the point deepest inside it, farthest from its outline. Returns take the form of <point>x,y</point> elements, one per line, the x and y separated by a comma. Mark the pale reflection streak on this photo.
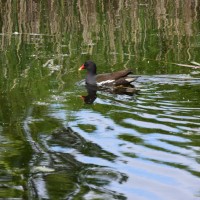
<point>121,24</point>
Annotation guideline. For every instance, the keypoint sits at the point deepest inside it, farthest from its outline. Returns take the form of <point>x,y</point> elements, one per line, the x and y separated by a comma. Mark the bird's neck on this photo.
<point>91,78</point>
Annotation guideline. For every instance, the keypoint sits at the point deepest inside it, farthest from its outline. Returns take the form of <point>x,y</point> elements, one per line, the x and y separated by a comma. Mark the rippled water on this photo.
<point>140,147</point>
<point>61,140</point>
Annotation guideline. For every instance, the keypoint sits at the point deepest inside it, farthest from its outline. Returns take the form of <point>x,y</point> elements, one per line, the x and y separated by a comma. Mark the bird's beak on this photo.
<point>82,67</point>
<point>82,97</point>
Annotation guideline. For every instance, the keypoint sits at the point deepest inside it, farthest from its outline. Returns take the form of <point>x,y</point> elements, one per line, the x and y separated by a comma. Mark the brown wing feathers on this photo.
<point>113,75</point>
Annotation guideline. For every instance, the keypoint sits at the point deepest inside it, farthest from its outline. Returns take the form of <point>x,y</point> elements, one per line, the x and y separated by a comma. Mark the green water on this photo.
<point>54,146</point>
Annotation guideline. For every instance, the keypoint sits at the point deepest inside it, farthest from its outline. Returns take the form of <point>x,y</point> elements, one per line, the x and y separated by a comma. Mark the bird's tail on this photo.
<point>131,78</point>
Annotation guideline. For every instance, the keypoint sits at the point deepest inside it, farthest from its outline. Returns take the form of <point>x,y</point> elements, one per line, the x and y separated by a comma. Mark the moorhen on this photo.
<point>120,78</point>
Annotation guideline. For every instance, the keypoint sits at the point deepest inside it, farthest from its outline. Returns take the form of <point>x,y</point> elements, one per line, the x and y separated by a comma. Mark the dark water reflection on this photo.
<point>121,146</point>
<point>53,145</point>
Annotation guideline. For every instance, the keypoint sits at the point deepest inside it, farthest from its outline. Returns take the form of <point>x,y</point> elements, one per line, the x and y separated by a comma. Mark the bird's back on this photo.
<point>113,75</point>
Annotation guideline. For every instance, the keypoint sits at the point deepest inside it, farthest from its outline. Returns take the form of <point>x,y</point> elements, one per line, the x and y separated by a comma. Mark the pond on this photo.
<point>144,146</point>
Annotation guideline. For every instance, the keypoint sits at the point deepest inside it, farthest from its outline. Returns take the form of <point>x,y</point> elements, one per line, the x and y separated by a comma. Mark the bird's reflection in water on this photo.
<point>129,90</point>
<point>91,94</point>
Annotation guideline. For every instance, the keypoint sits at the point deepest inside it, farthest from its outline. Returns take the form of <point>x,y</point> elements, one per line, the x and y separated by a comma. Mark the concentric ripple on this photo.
<point>122,147</point>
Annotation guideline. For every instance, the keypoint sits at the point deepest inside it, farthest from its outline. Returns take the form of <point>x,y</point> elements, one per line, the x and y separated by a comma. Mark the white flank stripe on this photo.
<point>105,82</point>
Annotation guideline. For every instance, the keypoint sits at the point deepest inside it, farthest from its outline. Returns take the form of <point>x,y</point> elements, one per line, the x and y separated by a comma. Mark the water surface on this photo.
<point>55,146</point>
